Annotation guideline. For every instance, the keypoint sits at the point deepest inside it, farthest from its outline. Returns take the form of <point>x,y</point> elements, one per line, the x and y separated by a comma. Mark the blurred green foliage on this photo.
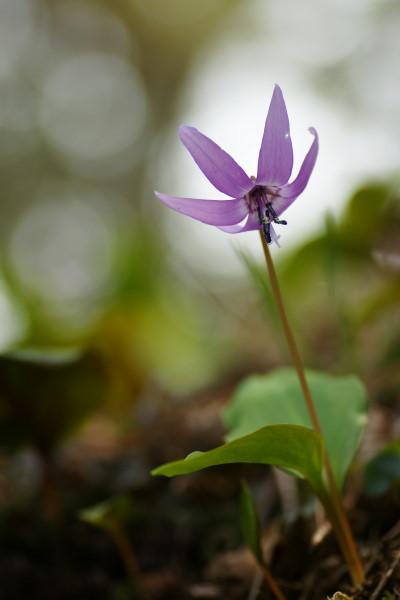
<point>43,398</point>
<point>383,471</point>
<point>83,258</point>
<point>105,514</point>
<point>153,326</point>
<point>348,279</point>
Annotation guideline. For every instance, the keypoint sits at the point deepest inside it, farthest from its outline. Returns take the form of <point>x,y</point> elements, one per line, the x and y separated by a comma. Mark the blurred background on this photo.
<point>117,314</point>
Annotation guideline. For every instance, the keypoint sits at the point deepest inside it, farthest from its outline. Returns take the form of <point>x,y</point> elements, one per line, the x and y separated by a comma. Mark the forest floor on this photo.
<point>184,533</point>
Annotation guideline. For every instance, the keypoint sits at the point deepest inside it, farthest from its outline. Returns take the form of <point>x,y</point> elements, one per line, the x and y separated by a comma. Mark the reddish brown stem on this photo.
<point>125,549</point>
<point>335,510</point>
<point>271,582</point>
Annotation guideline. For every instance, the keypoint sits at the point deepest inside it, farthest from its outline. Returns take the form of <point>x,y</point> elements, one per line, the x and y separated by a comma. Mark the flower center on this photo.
<point>260,199</point>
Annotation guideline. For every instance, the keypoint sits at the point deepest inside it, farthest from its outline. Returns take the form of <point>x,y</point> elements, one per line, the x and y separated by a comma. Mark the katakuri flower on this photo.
<point>256,202</point>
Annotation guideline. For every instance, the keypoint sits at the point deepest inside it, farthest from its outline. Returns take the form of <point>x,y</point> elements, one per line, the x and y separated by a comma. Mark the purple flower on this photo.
<point>256,202</point>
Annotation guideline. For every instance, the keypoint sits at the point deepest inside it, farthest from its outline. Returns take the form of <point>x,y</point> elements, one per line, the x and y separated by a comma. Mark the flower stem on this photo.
<point>125,550</point>
<point>334,506</point>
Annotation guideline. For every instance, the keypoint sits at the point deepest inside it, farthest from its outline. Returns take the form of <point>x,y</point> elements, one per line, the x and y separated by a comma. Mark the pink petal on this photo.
<point>219,168</point>
<point>291,191</point>
<point>275,160</point>
<point>252,223</point>
<point>212,212</point>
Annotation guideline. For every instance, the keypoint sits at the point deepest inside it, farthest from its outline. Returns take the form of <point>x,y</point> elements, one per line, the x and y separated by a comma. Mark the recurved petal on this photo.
<point>275,160</point>
<point>289,192</point>
<point>252,222</point>
<point>218,166</point>
<point>212,212</point>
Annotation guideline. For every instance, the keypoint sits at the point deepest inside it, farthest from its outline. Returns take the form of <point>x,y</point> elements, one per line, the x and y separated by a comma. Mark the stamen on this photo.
<point>266,225</point>
<point>270,212</point>
<point>258,200</point>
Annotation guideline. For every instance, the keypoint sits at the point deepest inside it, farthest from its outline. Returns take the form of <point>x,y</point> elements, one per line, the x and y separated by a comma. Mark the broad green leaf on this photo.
<point>290,447</point>
<point>250,522</point>
<point>276,398</point>
<point>383,471</point>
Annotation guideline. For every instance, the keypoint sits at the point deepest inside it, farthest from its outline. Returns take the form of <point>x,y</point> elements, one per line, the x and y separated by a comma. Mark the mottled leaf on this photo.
<point>277,398</point>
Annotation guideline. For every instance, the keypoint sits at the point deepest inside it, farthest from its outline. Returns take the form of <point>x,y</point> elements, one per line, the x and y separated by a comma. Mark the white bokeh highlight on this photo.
<point>93,111</point>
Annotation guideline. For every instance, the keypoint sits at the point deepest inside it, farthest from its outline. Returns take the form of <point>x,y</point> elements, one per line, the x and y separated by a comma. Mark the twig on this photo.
<point>125,551</point>
<point>271,582</point>
<point>392,533</point>
<point>386,576</point>
<point>255,585</point>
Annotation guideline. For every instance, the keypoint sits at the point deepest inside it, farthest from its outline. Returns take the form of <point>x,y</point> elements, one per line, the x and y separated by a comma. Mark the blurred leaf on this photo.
<point>46,356</point>
<point>369,215</point>
<point>277,398</point>
<point>365,215</point>
<point>386,297</point>
<point>96,515</point>
<point>105,514</point>
<point>383,471</point>
<point>305,262</point>
<point>290,447</point>
<point>41,401</point>
<point>250,522</point>
<point>392,354</point>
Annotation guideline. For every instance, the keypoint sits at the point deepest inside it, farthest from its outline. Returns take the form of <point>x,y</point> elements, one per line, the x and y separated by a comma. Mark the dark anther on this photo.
<point>266,225</point>
<point>272,216</point>
<point>267,216</point>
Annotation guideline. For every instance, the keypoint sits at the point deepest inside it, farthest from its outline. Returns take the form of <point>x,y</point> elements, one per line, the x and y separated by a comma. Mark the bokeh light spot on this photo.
<point>93,111</point>
<point>62,247</point>
<point>17,28</point>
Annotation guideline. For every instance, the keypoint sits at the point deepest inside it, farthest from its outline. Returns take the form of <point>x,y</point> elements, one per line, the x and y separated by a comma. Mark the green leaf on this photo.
<point>96,515</point>
<point>383,471</point>
<point>276,398</point>
<point>289,447</point>
<point>250,522</point>
<point>104,514</point>
<point>366,214</point>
